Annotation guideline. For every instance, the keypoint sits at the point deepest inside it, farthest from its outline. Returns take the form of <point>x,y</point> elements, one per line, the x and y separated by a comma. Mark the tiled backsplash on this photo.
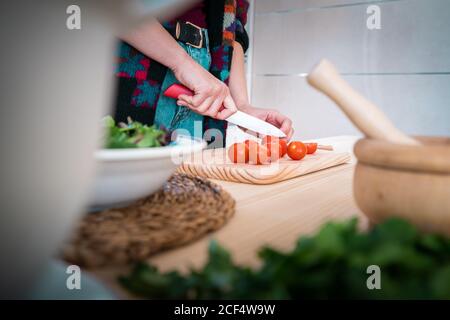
<point>404,67</point>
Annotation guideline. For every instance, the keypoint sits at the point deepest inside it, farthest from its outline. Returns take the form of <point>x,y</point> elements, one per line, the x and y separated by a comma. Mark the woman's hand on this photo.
<point>210,93</point>
<point>271,116</point>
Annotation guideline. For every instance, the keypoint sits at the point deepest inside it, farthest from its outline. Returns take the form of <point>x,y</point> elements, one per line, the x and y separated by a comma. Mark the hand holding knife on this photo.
<point>239,118</point>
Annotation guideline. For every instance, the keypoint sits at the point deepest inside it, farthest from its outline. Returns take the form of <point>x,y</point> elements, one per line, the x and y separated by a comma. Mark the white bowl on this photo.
<point>126,175</point>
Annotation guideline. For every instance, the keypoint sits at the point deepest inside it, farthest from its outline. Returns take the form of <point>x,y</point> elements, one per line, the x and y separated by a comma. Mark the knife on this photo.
<point>239,118</point>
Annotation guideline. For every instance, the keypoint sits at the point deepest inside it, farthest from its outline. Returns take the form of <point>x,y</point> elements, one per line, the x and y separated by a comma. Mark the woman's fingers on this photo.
<point>228,103</point>
<point>224,114</point>
<point>282,122</point>
<point>286,126</point>
<point>188,100</point>
<point>290,134</point>
<point>215,107</point>
<point>196,100</point>
<point>204,107</point>
<point>209,91</point>
<point>229,108</point>
<point>183,103</point>
<point>218,94</point>
<point>209,101</point>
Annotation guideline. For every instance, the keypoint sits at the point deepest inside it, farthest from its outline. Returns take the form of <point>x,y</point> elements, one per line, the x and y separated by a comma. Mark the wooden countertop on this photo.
<point>268,215</point>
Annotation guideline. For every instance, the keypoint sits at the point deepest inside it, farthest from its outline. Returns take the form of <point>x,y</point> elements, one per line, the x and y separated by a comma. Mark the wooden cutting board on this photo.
<point>214,164</point>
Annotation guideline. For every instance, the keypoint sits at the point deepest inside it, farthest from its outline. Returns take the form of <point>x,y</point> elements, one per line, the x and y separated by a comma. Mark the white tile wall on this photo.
<point>414,38</point>
<point>417,104</point>
<point>404,67</point>
<point>270,6</point>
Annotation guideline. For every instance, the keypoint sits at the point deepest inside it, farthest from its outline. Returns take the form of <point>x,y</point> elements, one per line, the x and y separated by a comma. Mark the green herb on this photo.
<point>331,264</point>
<point>132,135</point>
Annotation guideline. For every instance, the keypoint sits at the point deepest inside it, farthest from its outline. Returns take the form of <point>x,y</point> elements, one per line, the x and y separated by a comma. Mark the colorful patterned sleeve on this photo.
<point>241,20</point>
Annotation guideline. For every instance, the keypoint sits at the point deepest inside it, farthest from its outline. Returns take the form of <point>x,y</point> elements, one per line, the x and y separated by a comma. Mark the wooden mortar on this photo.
<point>396,175</point>
<point>406,181</point>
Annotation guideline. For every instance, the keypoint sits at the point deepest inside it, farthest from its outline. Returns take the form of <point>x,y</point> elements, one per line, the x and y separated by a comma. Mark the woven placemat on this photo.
<point>184,209</point>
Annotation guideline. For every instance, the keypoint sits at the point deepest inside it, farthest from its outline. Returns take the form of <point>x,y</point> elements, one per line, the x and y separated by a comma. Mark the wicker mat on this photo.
<point>185,209</point>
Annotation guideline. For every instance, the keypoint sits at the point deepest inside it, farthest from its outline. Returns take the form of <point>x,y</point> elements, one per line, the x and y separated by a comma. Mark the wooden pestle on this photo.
<point>364,114</point>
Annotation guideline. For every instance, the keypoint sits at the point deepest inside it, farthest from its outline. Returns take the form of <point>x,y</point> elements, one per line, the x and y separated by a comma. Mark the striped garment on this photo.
<point>140,78</point>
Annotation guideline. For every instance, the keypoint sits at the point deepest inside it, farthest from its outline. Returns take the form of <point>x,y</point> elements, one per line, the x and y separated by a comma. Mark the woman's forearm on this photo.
<point>155,42</point>
<point>237,82</point>
<point>209,93</point>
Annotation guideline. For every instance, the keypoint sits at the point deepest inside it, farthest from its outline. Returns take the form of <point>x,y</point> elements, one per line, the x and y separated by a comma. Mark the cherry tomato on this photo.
<point>296,150</point>
<point>248,142</point>
<point>258,154</point>
<point>271,139</point>
<point>274,150</point>
<point>238,153</point>
<point>283,144</point>
<point>311,147</point>
<point>264,156</point>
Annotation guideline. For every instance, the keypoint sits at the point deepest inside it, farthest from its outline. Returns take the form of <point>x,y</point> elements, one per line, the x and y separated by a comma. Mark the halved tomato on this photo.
<point>238,153</point>
<point>274,150</point>
<point>258,154</point>
<point>311,147</point>
<point>271,140</point>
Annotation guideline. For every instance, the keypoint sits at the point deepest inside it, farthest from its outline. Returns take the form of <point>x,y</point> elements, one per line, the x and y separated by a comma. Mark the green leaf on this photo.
<point>109,122</point>
<point>149,140</point>
<point>441,283</point>
<point>132,135</point>
<point>396,230</point>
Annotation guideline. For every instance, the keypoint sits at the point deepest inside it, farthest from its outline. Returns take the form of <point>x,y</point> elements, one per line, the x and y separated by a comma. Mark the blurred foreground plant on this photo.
<point>331,264</point>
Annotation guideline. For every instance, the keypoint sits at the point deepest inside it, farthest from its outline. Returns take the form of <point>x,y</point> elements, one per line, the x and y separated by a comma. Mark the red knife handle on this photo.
<point>176,89</point>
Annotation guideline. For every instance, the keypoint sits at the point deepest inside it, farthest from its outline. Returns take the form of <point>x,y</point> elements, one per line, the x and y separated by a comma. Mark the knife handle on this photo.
<point>176,89</point>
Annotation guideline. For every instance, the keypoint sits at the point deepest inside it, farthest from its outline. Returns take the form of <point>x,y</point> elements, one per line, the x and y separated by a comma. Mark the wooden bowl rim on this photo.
<point>432,156</point>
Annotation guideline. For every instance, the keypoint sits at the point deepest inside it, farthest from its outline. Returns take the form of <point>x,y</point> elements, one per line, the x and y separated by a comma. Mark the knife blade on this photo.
<point>254,124</point>
<point>239,118</point>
